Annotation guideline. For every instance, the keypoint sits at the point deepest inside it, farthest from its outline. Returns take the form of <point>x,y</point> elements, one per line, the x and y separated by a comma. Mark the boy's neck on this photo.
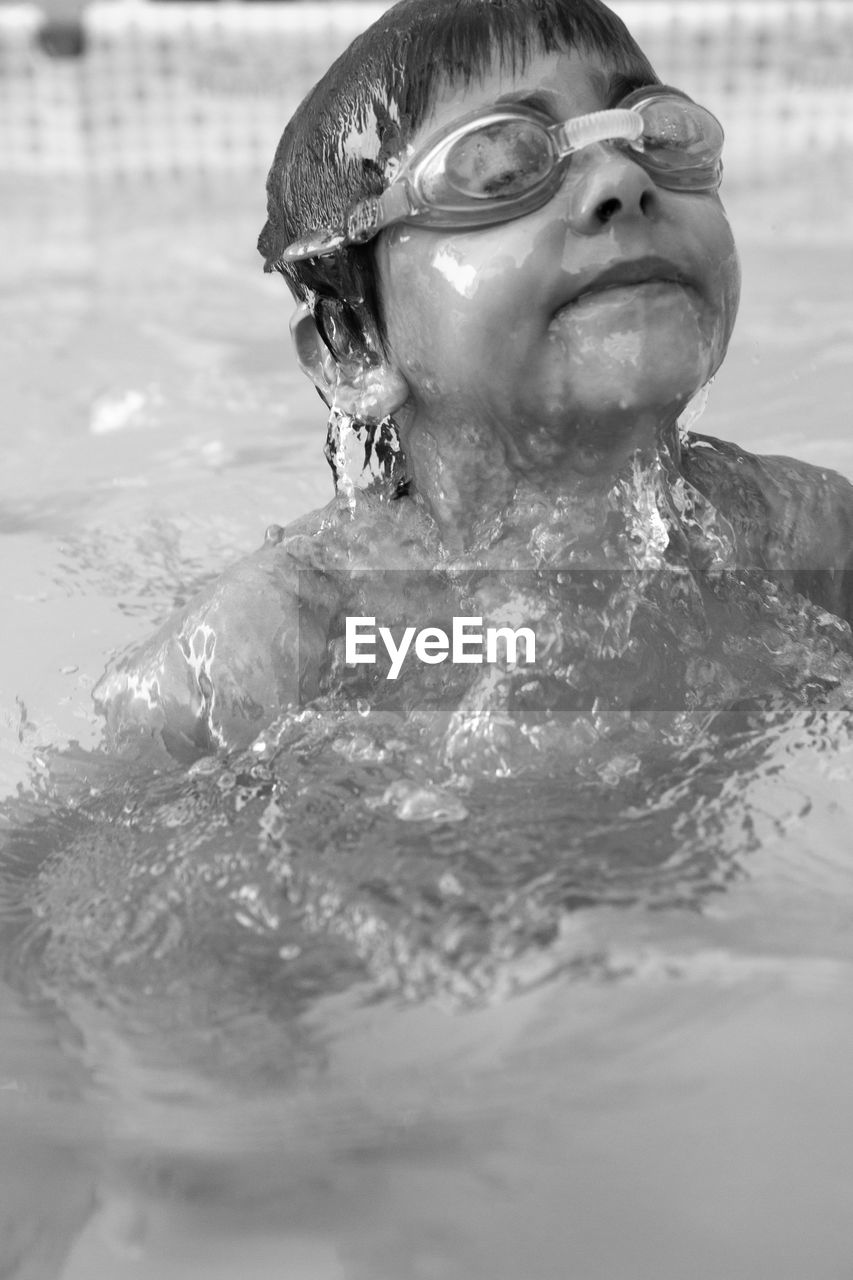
<point>481,490</point>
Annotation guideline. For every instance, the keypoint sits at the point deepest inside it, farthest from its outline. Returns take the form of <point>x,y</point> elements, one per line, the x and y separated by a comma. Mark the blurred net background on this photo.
<point>130,88</point>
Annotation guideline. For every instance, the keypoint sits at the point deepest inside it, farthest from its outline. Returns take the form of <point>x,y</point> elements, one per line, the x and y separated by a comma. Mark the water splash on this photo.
<point>345,852</point>
<point>693,411</point>
<point>365,457</point>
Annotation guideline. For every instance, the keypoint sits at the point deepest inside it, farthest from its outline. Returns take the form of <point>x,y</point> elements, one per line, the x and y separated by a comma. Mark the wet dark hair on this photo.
<point>359,116</point>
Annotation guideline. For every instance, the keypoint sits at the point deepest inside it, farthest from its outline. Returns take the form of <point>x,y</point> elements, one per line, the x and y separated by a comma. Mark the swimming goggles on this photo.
<point>497,164</point>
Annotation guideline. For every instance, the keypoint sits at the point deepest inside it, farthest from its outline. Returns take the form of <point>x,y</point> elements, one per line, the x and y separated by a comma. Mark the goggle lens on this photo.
<point>681,143</point>
<point>499,161</point>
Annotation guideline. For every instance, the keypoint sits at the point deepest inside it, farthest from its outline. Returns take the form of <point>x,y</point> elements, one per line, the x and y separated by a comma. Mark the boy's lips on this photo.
<point>637,271</point>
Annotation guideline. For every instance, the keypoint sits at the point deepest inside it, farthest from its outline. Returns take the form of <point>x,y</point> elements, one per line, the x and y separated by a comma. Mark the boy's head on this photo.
<point>419,68</point>
<point>348,133</point>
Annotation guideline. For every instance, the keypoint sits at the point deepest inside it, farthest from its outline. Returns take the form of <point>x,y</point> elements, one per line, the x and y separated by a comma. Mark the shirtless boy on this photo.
<point>507,300</point>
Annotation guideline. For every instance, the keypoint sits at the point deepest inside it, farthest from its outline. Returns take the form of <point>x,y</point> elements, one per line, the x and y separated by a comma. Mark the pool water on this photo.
<point>302,1013</point>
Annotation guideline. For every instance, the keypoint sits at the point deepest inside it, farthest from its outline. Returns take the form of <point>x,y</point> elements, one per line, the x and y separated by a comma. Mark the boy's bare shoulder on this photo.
<point>789,514</point>
<point>790,517</point>
<point>254,641</point>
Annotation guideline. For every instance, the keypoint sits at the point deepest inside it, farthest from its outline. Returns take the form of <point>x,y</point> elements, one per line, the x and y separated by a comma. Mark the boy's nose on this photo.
<point>605,185</point>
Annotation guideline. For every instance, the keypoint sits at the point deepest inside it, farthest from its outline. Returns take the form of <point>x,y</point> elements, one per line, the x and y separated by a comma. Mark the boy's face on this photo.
<point>564,328</point>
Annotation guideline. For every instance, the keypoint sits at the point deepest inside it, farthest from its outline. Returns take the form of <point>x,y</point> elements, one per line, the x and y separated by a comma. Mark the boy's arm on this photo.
<point>790,516</point>
<point>221,668</point>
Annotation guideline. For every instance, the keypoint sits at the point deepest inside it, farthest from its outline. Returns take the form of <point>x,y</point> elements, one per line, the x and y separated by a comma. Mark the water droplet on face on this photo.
<point>449,885</point>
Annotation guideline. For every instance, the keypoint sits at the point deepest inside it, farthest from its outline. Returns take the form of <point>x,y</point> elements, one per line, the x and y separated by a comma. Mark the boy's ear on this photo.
<point>369,392</point>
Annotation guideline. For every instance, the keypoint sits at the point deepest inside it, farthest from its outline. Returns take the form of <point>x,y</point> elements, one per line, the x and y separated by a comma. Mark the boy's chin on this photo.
<point>658,384</point>
<point>618,408</point>
<point>659,399</point>
<point>627,369</point>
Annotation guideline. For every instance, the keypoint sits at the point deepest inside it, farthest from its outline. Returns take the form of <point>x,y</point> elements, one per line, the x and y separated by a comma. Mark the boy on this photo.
<point>513,273</point>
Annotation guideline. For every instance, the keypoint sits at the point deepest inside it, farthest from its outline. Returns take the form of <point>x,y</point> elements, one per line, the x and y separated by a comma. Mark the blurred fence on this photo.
<point>145,89</point>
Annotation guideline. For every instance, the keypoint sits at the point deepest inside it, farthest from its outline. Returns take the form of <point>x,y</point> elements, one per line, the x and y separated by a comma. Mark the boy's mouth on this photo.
<point>638,271</point>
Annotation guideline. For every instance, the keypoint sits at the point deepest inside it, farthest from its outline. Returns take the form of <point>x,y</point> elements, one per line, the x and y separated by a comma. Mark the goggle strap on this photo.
<point>599,126</point>
<point>366,218</point>
<point>316,244</point>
